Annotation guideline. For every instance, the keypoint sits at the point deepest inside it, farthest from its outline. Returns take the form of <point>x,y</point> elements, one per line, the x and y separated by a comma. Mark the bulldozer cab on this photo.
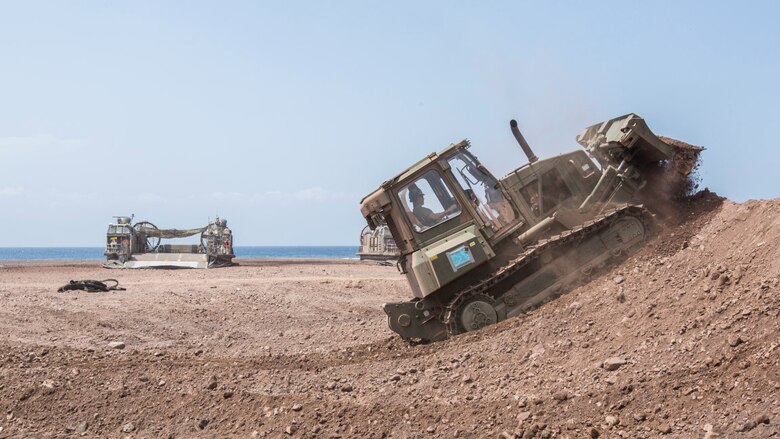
<point>444,212</point>
<point>443,193</point>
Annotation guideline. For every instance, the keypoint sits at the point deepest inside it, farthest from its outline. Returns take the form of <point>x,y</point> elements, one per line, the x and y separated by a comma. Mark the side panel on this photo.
<point>448,259</point>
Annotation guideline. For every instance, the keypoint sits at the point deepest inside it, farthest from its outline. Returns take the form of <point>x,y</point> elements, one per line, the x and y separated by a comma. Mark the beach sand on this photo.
<point>679,340</point>
<point>285,306</point>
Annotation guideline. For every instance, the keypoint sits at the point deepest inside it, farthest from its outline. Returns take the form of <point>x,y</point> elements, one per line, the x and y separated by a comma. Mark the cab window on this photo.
<point>482,191</point>
<point>428,201</point>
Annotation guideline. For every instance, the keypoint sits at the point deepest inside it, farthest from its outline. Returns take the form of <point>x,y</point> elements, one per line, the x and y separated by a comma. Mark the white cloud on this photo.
<point>37,142</point>
<point>309,195</point>
<point>11,191</point>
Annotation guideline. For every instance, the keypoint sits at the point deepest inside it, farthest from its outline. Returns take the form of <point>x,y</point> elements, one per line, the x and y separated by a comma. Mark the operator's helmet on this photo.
<point>414,192</point>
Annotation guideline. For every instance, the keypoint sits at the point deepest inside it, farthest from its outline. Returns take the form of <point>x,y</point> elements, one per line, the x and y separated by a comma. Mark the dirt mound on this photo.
<point>680,340</point>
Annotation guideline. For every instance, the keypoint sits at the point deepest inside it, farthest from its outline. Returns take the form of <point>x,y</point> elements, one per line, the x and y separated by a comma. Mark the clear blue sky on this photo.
<point>280,116</point>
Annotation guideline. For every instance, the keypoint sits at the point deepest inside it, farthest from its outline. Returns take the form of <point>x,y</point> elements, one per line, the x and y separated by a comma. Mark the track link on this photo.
<point>488,286</point>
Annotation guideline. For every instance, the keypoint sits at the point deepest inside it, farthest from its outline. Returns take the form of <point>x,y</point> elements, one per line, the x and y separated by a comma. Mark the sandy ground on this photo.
<point>680,340</point>
<point>287,307</point>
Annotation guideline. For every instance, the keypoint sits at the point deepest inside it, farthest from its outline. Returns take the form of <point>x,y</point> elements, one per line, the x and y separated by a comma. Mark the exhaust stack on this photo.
<point>521,140</point>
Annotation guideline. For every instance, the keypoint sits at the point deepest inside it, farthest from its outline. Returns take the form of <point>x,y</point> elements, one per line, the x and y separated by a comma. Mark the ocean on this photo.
<point>96,253</point>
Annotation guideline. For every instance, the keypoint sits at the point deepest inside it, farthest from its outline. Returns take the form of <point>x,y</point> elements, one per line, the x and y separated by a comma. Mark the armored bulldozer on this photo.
<point>477,250</point>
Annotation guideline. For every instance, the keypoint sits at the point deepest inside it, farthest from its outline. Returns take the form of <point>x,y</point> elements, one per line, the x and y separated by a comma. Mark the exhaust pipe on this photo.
<point>521,140</point>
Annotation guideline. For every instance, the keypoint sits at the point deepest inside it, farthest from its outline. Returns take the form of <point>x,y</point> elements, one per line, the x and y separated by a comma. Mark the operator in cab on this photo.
<point>427,217</point>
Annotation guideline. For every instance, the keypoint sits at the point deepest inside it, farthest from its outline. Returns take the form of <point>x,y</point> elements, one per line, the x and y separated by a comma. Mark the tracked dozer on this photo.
<point>477,249</point>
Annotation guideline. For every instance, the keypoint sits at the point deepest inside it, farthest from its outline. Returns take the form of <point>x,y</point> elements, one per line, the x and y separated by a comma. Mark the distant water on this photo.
<point>96,253</point>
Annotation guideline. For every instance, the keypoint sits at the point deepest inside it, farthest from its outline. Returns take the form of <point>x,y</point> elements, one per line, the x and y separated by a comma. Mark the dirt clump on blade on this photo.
<point>670,183</point>
<point>684,167</point>
<point>680,340</point>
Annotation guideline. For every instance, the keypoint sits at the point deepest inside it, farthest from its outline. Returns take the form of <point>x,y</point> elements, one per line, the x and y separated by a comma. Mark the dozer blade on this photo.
<point>625,138</point>
<point>629,153</point>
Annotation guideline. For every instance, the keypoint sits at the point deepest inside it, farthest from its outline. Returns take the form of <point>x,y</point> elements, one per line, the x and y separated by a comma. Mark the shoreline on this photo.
<point>240,262</point>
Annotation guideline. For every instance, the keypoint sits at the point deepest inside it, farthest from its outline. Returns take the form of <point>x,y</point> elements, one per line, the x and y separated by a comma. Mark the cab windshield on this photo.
<point>428,201</point>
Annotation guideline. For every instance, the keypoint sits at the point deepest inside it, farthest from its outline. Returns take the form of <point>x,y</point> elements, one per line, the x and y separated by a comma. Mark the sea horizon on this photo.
<point>260,251</point>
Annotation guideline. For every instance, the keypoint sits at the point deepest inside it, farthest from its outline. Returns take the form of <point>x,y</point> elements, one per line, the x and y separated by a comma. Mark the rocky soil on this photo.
<point>681,340</point>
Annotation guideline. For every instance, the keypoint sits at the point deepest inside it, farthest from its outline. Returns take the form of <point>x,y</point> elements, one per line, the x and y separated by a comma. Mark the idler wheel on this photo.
<point>476,313</point>
<point>404,320</point>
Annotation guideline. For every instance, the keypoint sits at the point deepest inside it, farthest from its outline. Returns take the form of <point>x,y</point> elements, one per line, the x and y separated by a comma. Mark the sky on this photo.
<point>281,116</point>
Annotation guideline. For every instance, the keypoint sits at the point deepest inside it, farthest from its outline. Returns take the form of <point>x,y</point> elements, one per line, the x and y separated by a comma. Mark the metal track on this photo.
<point>585,230</point>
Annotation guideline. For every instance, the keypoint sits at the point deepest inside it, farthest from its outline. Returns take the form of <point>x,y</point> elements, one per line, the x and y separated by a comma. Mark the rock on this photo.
<point>292,428</point>
<point>561,396</point>
<point>82,427</point>
<point>735,341</point>
<point>710,432</point>
<point>27,393</point>
<point>331,385</point>
<point>431,429</point>
<point>665,428</point>
<point>117,345</point>
<point>611,421</point>
<point>227,394</point>
<point>618,279</point>
<point>202,423</point>
<point>613,363</point>
<point>506,435</point>
<point>747,426</point>
<point>395,378</point>
<point>639,417</point>
<point>762,419</point>
<point>594,433</point>
<point>296,407</point>
<point>128,428</point>
<point>522,416</point>
<point>212,383</point>
<point>621,297</point>
<point>347,388</point>
<point>467,379</point>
